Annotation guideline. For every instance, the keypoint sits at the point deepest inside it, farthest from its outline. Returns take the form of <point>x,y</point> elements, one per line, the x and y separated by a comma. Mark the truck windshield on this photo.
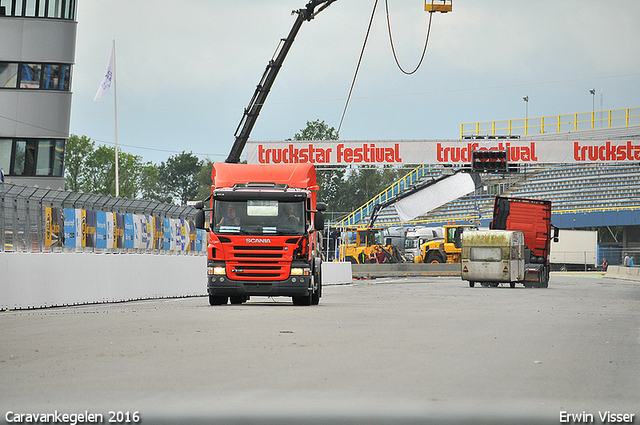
<point>261,217</point>
<point>410,243</point>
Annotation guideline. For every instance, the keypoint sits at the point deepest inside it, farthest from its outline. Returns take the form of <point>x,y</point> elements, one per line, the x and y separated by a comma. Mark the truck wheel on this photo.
<point>237,299</point>
<point>217,300</point>
<point>512,284</point>
<point>306,300</point>
<point>351,260</point>
<point>544,279</point>
<point>471,284</point>
<point>434,259</point>
<point>315,297</point>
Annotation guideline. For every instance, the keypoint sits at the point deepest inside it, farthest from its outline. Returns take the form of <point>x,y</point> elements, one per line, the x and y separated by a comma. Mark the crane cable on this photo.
<point>366,38</point>
<point>353,83</point>
<point>426,42</point>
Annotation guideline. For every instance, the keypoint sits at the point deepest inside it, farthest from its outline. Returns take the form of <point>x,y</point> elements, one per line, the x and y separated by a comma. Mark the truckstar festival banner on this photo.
<point>336,152</point>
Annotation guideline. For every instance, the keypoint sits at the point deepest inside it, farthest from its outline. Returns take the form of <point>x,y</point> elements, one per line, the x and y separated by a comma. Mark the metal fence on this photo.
<point>26,221</point>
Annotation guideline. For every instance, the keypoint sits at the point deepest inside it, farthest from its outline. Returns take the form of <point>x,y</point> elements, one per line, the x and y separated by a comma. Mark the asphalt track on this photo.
<point>393,350</point>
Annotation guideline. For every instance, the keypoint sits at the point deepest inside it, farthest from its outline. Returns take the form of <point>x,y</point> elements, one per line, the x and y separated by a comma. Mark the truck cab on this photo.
<point>262,233</point>
<point>416,237</point>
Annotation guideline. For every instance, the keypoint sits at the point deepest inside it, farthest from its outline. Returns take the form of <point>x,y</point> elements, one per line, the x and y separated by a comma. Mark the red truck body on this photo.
<point>533,218</point>
<point>262,233</point>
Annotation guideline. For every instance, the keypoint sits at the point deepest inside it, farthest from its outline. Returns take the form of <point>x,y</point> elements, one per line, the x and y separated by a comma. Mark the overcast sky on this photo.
<point>185,70</point>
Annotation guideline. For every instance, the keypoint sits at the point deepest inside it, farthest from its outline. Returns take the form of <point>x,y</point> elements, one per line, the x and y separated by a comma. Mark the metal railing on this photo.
<point>554,123</point>
<point>34,219</point>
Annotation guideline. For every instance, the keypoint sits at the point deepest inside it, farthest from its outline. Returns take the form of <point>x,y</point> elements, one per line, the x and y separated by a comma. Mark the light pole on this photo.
<point>593,107</point>
<point>526,114</point>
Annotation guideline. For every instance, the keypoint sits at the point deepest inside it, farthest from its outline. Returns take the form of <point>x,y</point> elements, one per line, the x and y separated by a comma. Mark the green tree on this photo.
<point>179,174</point>
<point>100,170</point>
<point>204,179</point>
<point>91,169</point>
<point>330,178</point>
<point>152,186</point>
<point>77,151</point>
<point>317,130</point>
<point>365,182</point>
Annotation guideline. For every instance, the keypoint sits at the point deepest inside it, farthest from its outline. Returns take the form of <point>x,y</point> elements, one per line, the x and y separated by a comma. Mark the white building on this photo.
<point>37,51</point>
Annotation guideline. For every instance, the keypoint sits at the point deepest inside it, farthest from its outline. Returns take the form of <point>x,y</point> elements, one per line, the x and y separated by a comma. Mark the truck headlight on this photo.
<point>299,271</point>
<point>217,270</point>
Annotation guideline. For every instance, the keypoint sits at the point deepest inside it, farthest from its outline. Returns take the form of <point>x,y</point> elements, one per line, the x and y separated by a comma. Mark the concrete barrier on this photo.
<point>620,272</point>
<point>404,269</point>
<point>37,280</point>
<point>338,273</point>
<point>46,280</point>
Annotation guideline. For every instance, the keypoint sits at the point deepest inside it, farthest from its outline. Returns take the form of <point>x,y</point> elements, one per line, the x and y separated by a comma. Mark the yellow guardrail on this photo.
<point>554,123</point>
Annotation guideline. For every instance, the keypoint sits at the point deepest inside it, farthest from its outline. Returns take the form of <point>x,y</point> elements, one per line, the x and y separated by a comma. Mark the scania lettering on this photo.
<point>249,240</point>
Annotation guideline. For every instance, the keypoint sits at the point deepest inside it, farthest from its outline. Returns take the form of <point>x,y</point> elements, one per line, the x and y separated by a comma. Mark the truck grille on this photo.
<point>257,262</point>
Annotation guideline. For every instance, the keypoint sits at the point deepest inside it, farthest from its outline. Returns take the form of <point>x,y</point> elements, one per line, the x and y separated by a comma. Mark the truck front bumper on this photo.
<point>294,286</point>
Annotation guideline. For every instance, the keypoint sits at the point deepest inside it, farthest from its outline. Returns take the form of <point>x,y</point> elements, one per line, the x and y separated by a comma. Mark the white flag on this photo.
<point>106,82</point>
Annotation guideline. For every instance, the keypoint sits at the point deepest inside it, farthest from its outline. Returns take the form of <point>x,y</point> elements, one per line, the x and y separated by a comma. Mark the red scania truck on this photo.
<point>263,219</point>
<point>263,223</point>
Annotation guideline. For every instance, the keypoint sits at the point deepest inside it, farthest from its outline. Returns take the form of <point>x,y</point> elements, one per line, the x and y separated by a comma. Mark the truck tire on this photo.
<point>434,259</point>
<point>544,279</point>
<point>471,284</point>
<point>351,259</point>
<point>315,297</point>
<point>237,299</point>
<point>217,300</point>
<point>512,284</point>
<point>305,300</point>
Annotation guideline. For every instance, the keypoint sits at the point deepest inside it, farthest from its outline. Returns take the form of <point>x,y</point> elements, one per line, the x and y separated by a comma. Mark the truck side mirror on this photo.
<point>318,223</point>
<point>321,206</point>
<point>200,219</point>
<point>556,231</point>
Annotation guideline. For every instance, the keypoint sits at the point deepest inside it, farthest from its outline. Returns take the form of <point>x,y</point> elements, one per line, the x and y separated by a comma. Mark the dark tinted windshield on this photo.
<point>260,216</point>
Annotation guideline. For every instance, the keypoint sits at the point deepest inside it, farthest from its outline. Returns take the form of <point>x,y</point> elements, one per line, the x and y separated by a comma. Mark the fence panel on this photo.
<point>33,219</point>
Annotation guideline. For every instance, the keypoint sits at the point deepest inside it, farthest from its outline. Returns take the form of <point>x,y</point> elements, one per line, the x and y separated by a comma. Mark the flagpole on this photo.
<point>115,98</point>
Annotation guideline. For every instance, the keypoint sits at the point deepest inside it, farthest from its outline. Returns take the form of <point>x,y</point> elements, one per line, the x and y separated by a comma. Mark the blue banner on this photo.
<point>101,230</point>
<point>129,233</point>
<point>70,228</point>
<point>166,240</point>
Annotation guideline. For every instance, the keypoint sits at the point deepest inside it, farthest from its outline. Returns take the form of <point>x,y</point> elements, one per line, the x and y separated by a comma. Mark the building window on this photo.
<point>32,157</point>
<point>58,158</point>
<point>53,9</point>
<point>45,155</point>
<point>24,158</point>
<point>8,75</point>
<point>46,76</point>
<point>6,145</point>
<point>30,76</point>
